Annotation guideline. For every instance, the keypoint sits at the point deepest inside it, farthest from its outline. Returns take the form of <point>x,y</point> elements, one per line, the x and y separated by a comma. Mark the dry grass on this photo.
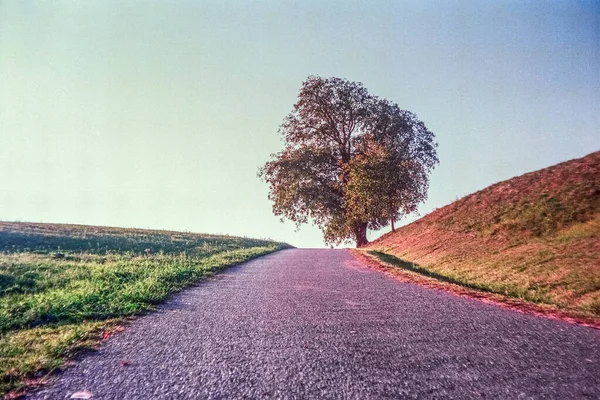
<point>408,272</point>
<point>535,237</point>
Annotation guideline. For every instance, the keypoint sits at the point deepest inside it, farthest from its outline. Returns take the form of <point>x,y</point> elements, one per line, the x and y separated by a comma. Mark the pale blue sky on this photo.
<point>158,113</point>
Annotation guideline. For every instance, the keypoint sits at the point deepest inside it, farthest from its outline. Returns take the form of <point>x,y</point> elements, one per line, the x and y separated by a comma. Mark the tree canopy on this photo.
<point>351,161</point>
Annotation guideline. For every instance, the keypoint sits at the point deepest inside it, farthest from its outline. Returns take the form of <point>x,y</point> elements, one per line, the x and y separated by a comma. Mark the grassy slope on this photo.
<point>536,237</point>
<point>62,286</point>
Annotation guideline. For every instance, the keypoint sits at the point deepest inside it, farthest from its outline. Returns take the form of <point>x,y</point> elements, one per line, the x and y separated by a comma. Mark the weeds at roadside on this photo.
<point>531,293</point>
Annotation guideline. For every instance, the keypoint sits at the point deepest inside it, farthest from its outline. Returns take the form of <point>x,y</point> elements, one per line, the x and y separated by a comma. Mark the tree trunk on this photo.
<point>393,229</point>
<point>360,233</point>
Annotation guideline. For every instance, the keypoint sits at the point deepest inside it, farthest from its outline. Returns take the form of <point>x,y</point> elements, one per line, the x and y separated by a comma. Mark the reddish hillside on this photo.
<point>536,236</point>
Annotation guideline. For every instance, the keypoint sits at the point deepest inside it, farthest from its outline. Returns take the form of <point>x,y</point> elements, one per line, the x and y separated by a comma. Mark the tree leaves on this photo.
<point>350,160</point>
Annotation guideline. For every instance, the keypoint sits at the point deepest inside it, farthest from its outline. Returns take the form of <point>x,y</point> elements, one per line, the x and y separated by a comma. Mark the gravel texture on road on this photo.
<point>316,323</point>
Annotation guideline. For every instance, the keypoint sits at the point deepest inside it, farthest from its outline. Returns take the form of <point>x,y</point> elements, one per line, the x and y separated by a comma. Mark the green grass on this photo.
<point>533,294</point>
<point>61,286</point>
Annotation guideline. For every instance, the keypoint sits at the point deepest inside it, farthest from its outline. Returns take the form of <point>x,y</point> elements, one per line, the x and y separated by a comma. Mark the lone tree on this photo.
<point>351,161</point>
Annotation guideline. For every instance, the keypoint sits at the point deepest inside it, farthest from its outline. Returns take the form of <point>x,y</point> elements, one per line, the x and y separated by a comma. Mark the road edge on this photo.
<point>511,303</point>
<point>94,339</point>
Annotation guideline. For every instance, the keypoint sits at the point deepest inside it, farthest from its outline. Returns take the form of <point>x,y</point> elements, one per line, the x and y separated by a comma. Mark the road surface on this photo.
<point>312,323</point>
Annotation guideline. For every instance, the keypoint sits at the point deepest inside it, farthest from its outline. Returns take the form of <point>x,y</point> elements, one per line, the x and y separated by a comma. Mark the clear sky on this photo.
<point>158,114</point>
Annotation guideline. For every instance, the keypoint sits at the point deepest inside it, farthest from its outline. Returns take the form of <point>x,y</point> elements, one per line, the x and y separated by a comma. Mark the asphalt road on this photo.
<point>307,323</point>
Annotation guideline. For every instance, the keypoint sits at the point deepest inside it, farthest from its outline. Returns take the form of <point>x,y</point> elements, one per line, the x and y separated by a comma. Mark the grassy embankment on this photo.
<point>535,237</point>
<point>64,287</point>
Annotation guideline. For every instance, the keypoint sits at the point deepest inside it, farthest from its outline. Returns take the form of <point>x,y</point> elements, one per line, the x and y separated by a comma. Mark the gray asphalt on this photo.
<point>307,323</point>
